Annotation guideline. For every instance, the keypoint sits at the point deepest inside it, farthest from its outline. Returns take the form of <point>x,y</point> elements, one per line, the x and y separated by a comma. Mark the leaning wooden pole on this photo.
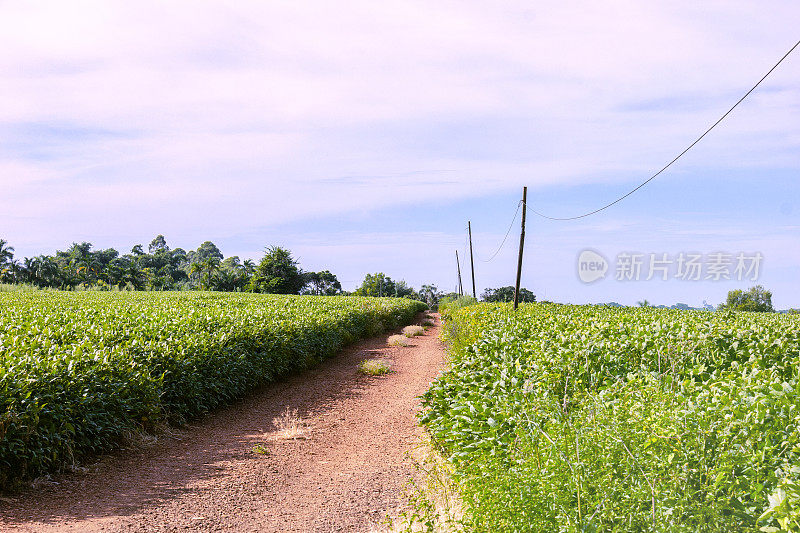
<point>521,246</point>
<point>471,261</point>
<point>460,287</point>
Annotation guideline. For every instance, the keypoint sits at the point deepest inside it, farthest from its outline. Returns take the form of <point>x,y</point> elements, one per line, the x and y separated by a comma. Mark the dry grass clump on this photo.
<point>413,331</point>
<point>397,340</point>
<point>289,425</point>
<point>375,367</point>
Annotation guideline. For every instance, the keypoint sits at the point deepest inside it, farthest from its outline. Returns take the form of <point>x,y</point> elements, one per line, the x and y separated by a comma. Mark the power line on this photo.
<point>654,176</point>
<point>504,238</point>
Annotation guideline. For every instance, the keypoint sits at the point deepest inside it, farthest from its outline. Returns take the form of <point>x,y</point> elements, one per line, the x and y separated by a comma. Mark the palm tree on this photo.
<point>26,270</point>
<point>16,269</point>
<point>209,266</point>
<point>196,268</point>
<point>6,252</point>
<point>48,272</point>
<point>643,303</point>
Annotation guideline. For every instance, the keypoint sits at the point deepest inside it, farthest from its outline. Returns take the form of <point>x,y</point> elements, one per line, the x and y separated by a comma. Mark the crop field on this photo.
<point>581,418</point>
<point>81,370</point>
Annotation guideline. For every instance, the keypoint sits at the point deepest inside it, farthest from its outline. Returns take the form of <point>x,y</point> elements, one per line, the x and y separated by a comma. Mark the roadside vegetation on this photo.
<point>83,370</point>
<point>586,418</point>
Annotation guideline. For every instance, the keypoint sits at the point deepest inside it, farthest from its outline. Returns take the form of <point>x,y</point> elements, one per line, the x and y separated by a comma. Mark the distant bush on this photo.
<point>506,294</point>
<point>756,299</point>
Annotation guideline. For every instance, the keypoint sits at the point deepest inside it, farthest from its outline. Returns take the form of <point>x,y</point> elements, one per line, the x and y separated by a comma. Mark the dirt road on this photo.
<point>234,471</point>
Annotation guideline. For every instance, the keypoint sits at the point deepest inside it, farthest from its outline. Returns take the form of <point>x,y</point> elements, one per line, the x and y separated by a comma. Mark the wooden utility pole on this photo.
<point>471,262</point>
<point>460,287</point>
<point>521,246</point>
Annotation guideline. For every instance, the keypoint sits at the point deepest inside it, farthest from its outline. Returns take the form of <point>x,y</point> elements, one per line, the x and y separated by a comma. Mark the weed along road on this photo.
<point>324,450</point>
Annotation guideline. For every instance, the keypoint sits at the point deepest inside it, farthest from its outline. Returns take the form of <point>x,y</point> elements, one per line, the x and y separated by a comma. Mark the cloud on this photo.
<point>206,120</point>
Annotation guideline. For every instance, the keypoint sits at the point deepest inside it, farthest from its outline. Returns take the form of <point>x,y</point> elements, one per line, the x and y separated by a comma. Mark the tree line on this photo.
<point>160,268</point>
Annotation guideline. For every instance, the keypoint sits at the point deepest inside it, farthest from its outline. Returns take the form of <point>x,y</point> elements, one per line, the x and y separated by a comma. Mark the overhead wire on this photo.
<point>648,180</point>
<point>504,238</point>
<point>665,167</point>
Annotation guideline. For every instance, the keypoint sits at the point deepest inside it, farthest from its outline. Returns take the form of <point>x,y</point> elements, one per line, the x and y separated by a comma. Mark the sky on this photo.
<point>363,136</point>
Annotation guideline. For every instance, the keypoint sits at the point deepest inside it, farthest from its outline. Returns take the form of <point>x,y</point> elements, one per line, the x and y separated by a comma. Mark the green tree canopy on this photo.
<point>6,252</point>
<point>404,290</point>
<point>7,263</point>
<point>506,294</point>
<point>757,299</point>
<point>378,284</point>
<point>158,244</point>
<point>277,273</point>
<point>430,294</point>
<point>207,250</point>
<point>323,283</point>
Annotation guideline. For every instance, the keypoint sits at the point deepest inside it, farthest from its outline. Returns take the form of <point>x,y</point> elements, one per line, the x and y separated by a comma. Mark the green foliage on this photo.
<point>207,250</point>
<point>158,244</point>
<point>322,283</point>
<point>378,284</point>
<point>6,252</point>
<point>277,273</point>
<point>506,294</point>
<point>82,369</point>
<point>570,418</point>
<point>160,268</point>
<point>756,299</point>
<point>449,304</point>
<point>81,267</point>
<point>8,267</point>
<point>430,294</point>
<point>261,449</point>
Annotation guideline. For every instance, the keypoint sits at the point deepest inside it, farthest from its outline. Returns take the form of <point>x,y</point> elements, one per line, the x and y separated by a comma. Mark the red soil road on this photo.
<point>347,474</point>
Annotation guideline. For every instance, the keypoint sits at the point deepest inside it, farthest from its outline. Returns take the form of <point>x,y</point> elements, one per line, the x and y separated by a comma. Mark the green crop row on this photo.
<point>79,371</point>
<point>580,418</point>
